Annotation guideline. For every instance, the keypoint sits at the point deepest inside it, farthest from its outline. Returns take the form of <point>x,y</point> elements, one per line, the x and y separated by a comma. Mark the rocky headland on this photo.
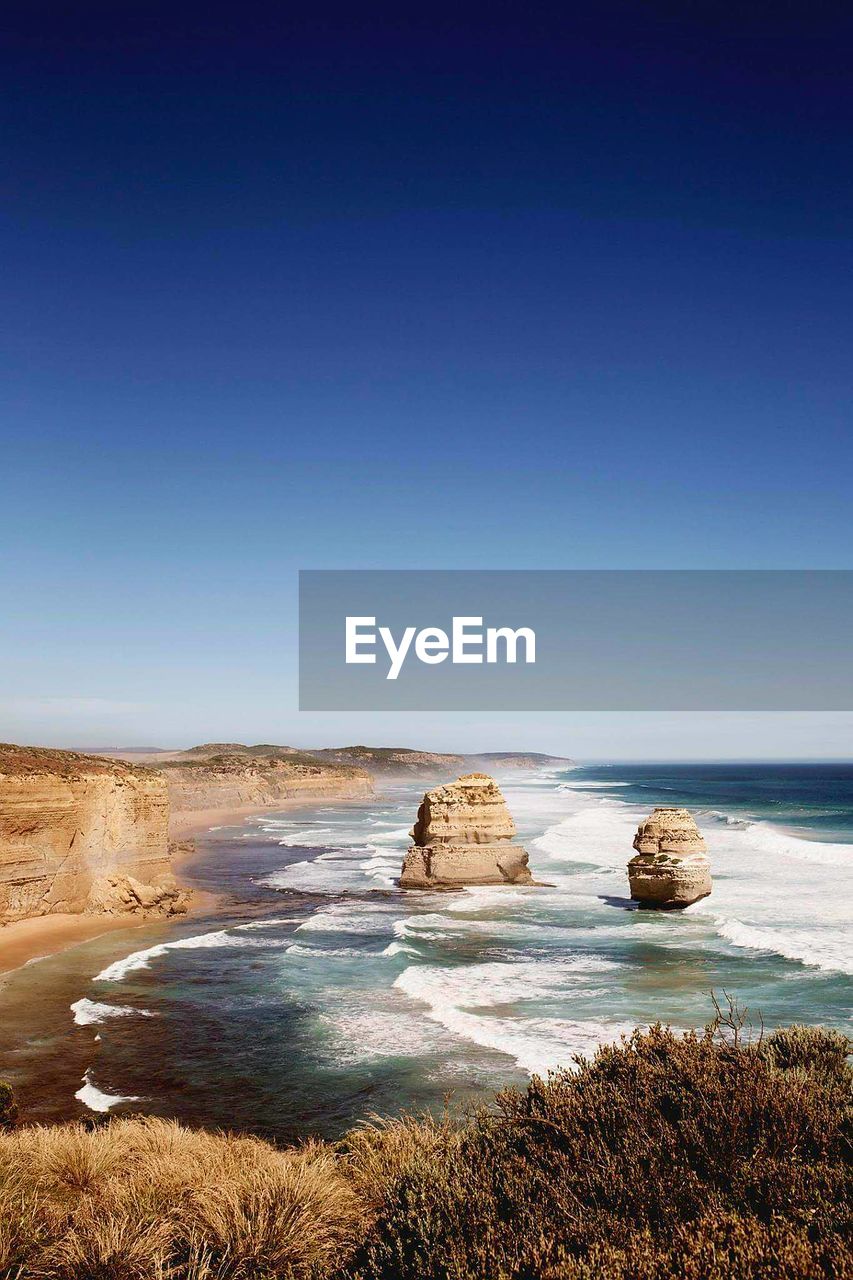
<point>464,836</point>
<point>671,868</point>
<point>401,762</point>
<point>231,776</point>
<point>82,834</point>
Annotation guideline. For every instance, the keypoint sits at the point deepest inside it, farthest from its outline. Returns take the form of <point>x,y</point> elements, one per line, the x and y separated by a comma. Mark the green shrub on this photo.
<point>8,1106</point>
<point>662,1150</point>
<point>688,1157</point>
<point>821,1054</point>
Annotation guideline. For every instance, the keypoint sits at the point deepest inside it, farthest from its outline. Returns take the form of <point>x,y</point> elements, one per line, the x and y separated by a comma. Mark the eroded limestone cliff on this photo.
<point>671,868</point>
<point>463,835</point>
<point>233,776</point>
<point>81,833</point>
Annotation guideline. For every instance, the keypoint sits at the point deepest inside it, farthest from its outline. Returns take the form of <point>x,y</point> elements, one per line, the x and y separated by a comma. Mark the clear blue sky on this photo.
<point>519,285</point>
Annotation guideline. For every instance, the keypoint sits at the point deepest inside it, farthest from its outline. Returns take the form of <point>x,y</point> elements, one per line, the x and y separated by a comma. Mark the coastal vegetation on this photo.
<point>8,1106</point>
<point>703,1156</point>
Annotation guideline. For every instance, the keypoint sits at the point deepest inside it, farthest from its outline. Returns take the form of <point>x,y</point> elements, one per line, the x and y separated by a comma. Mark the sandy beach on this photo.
<point>41,936</point>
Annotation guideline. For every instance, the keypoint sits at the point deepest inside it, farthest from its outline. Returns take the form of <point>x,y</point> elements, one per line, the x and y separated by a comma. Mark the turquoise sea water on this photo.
<point>320,993</point>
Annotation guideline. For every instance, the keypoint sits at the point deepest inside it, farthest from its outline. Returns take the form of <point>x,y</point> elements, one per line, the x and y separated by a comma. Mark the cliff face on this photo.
<point>463,835</point>
<point>231,776</point>
<point>80,833</point>
<point>671,868</point>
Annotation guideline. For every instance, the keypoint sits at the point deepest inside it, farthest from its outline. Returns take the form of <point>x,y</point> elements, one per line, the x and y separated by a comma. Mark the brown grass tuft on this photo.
<point>696,1157</point>
<point>140,1199</point>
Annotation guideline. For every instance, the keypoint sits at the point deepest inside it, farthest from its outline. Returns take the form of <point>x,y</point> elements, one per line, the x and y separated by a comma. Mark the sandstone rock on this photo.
<point>671,868</point>
<point>116,895</point>
<point>463,835</point>
<point>74,829</point>
<point>233,776</point>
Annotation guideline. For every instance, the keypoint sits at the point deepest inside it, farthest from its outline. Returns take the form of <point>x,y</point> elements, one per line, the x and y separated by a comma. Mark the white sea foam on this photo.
<point>399,948</point>
<point>432,927</point>
<point>345,917</point>
<point>309,838</point>
<point>119,969</point>
<point>537,1044</point>
<point>590,786</point>
<point>500,982</point>
<point>323,953</point>
<point>381,867</point>
<point>97,1100</point>
<point>482,897</point>
<point>810,947</point>
<point>268,923</point>
<point>598,832</point>
<point>400,835</point>
<point>87,1012</point>
<point>769,839</point>
<point>377,1033</point>
<point>334,873</point>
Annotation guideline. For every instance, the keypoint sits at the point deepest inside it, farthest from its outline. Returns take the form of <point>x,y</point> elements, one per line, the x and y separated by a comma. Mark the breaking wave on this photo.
<point>97,1100</point>
<point>537,1044</point>
<point>119,969</point>
<point>88,1012</point>
<point>809,947</point>
<point>769,839</point>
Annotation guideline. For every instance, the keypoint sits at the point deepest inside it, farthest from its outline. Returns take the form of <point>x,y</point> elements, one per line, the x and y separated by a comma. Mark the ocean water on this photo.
<point>319,993</point>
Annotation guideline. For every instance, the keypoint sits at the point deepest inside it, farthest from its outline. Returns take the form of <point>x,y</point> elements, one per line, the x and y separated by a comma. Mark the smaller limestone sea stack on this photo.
<point>671,868</point>
<point>463,835</point>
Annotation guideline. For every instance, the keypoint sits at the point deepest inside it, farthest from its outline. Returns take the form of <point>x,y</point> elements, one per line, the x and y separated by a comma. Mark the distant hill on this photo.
<point>406,761</point>
<point>395,761</point>
<point>387,762</point>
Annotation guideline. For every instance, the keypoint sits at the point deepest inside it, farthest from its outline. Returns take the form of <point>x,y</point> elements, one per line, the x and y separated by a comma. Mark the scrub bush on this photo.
<point>665,1155</point>
<point>702,1157</point>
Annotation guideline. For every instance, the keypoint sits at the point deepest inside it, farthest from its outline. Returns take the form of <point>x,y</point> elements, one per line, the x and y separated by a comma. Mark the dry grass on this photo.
<point>381,1150</point>
<point>144,1198</point>
<point>694,1157</point>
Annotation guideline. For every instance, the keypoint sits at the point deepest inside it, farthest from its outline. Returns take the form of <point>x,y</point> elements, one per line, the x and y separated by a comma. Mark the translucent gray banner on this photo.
<point>575,640</point>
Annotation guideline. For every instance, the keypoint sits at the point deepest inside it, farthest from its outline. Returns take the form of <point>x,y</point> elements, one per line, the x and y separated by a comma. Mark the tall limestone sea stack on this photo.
<point>671,868</point>
<point>463,836</point>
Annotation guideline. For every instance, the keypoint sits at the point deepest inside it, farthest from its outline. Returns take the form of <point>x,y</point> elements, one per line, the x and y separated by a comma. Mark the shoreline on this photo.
<point>38,937</point>
<point>192,822</point>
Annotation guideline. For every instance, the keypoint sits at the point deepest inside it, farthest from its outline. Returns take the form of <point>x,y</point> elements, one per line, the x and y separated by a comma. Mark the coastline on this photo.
<point>38,937</point>
<point>192,822</point>
<point>311,977</point>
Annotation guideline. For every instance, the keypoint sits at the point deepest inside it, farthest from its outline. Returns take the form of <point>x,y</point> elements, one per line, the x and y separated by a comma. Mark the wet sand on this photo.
<point>45,935</point>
